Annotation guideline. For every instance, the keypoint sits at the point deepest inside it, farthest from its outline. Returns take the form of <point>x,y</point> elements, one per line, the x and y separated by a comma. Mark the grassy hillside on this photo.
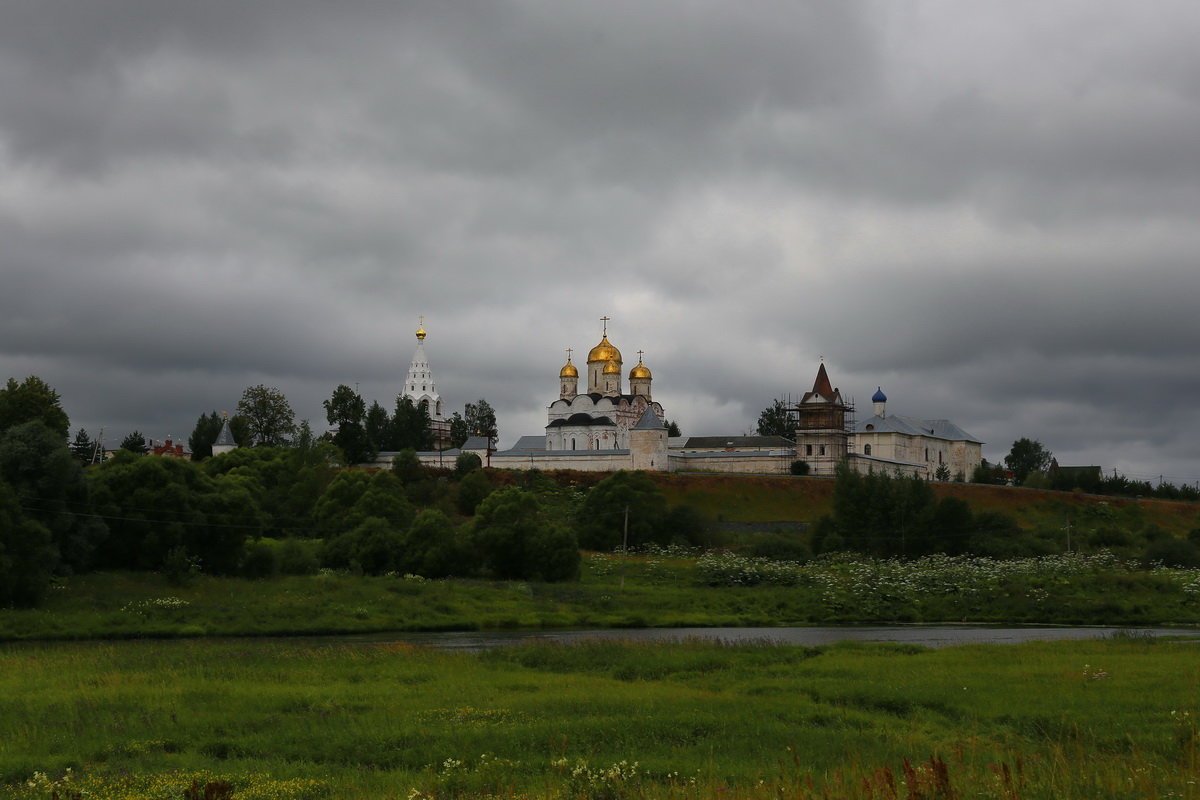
<point>762,498</point>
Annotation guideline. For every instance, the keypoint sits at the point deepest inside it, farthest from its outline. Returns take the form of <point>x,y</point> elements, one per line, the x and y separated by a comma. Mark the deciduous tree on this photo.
<point>776,421</point>
<point>480,418</point>
<point>32,399</point>
<point>268,415</point>
<point>50,484</point>
<point>346,410</point>
<point>1026,457</point>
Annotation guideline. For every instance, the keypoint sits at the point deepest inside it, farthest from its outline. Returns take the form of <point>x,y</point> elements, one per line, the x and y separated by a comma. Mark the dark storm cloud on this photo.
<point>987,209</point>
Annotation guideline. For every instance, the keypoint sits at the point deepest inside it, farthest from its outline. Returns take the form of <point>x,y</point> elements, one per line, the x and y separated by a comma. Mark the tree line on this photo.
<point>293,507</point>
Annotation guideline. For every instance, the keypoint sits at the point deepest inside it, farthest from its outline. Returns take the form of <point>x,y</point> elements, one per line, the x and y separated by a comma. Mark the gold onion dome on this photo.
<point>421,332</point>
<point>611,368</point>
<point>568,371</point>
<point>604,352</point>
<point>640,371</point>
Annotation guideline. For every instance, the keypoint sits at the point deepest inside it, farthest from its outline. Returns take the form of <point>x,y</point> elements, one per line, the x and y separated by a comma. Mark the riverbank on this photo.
<point>615,592</point>
<point>599,720</point>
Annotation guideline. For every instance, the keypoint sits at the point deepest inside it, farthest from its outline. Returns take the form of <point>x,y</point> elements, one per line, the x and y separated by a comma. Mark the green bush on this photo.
<point>259,561</point>
<point>800,467</point>
<point>467,462</point>
<point>472,490</point>
<point>298,557</point>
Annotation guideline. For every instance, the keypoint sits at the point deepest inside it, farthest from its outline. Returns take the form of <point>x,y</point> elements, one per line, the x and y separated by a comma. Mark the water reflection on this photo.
<point>925,635</point>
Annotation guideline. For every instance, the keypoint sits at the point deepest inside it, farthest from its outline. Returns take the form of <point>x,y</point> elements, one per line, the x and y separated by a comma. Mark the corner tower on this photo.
<point>822,437</point>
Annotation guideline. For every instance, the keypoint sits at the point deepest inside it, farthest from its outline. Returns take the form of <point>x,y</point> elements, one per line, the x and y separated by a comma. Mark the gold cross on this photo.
<point>569,354</point>
<point>640,353</point>
<point>421,317</point>
<point>605,321</point>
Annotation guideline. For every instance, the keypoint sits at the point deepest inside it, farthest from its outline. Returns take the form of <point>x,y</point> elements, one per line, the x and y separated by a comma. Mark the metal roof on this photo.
<point>911,426</point>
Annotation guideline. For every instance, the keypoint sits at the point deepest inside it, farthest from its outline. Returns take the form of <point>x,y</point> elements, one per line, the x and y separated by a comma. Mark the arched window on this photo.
<point>866,449</point>
<point>424,406</point>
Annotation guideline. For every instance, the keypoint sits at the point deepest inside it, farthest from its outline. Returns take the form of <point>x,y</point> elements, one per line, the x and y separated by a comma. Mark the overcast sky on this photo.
<point>988,209</point>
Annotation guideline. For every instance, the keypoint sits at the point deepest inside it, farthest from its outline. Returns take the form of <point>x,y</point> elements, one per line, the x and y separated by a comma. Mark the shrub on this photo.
<point>259,561</point>
<point>800,467</point>
<point>407,466</point>
<point>472,490</point>
<point>298,558</point>
<point>467,462</point>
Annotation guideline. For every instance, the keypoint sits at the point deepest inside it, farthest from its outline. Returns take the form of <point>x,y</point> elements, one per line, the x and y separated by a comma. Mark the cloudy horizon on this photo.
<point>986,209</point>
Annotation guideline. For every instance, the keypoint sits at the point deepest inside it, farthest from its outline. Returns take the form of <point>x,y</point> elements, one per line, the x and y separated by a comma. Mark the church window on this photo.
<point>572,444</point>
<point>939,458</point>
<point>822,449</point>
<point>926,453</point>
<point>808,449</point>
<point>866,450</point>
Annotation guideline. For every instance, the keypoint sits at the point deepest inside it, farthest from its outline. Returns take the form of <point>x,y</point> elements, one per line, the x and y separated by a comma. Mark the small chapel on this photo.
<point>601,417</point>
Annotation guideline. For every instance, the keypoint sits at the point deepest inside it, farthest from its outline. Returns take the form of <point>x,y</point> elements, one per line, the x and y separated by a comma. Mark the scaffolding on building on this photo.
<point>824,431</point>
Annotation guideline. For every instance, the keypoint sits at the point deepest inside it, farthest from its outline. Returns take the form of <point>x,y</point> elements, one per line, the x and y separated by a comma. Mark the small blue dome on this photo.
<point>879,396</point>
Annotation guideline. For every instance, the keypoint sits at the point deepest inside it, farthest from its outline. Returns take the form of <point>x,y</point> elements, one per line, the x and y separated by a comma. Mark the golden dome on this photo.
<point>611,368</point>
<point>421,332</point>
<point>604,352</point>
<point>640,371</point>
<point>568,371</point>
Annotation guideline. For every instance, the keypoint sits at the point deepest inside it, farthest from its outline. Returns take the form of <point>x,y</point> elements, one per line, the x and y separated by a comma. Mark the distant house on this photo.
<point>169,449</point>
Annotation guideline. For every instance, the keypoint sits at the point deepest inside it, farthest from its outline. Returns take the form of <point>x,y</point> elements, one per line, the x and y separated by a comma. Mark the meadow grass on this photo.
<point>599,720</point>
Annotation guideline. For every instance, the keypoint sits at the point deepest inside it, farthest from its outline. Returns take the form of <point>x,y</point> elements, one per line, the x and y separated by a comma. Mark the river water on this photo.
<point>926,635</point>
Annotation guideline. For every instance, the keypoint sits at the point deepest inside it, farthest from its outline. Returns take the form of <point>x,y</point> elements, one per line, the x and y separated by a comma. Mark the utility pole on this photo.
<point>98,449</point>
<point>1068,530</point>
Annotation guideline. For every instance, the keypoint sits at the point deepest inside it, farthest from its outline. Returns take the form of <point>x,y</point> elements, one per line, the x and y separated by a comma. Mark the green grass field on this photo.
<point>605,721</point>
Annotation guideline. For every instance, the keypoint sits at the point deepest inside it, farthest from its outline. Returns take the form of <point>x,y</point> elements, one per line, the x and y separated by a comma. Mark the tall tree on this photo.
<point>776,421</point>
<point>410,426</point>
<point>208,428</point>
<point>268,414</point>
<point>32,399</point>
<point>346,410</point>
<point>459,430</point>
<point>480,418</point>
<point>83,448</point>
<point>673,428</point>
<point>135,442</point>
<point>379,428</point>
<point>1026,457</point>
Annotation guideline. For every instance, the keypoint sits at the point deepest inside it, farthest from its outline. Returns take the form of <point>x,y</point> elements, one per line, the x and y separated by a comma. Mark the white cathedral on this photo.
<point>602,416</point>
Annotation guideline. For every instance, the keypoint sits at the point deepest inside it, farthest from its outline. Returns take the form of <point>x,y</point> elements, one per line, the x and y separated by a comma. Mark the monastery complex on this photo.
<point>609,426</point>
